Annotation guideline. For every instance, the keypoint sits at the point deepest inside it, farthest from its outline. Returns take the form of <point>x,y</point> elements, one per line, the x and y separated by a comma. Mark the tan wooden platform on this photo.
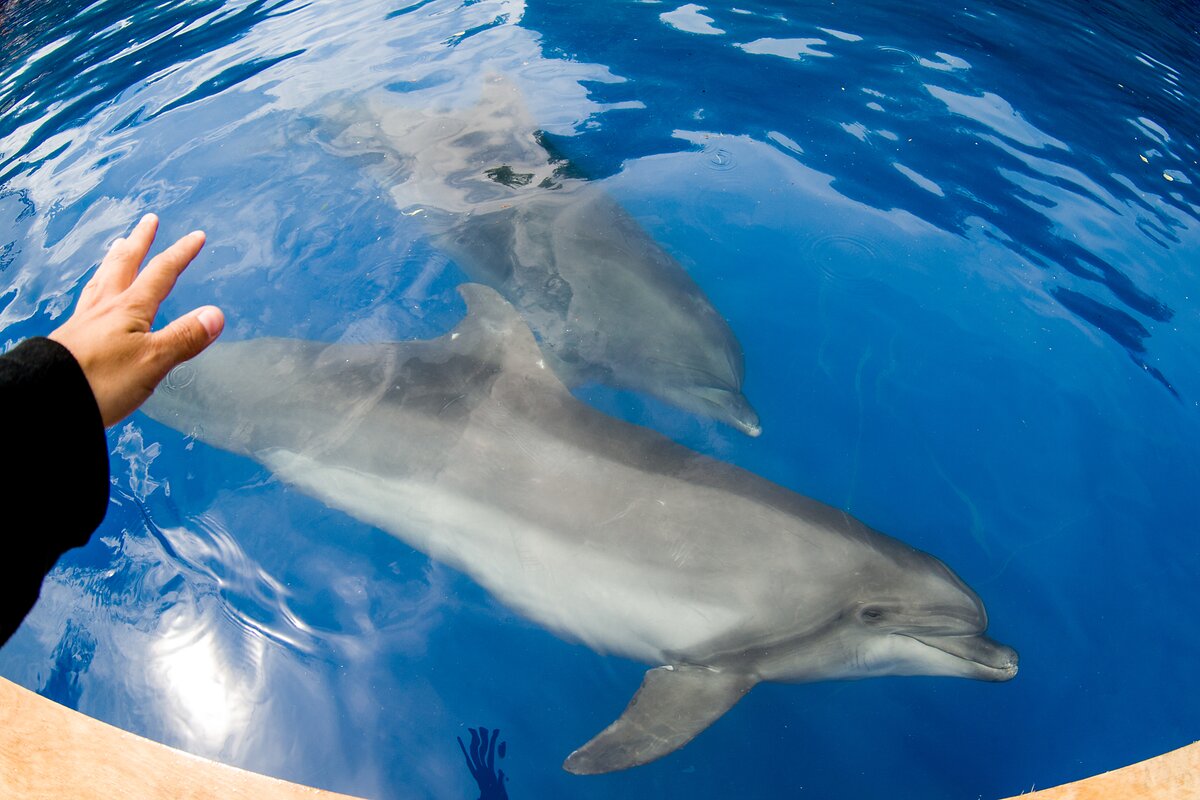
<point>1171,776</point>
<point>48,751</point>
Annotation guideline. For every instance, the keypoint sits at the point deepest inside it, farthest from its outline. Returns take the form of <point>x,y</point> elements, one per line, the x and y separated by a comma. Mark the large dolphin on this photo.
<point>605,301</point>
<point>468,448</point>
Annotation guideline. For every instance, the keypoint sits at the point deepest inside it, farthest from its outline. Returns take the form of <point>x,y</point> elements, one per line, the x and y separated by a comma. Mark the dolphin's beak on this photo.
<point>748,425</point>
<point>721,403</point>
<point>737,411</point>
<point>991,660</point>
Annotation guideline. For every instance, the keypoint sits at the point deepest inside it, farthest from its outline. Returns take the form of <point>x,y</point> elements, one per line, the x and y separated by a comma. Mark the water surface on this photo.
<point>958,245</point>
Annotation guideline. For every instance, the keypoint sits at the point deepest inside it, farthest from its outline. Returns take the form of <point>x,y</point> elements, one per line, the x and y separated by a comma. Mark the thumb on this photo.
<point>187,336</point>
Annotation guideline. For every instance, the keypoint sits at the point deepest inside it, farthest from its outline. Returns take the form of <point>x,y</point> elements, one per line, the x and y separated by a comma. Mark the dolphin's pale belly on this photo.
<point>609,603</point>
<point>468,448</point>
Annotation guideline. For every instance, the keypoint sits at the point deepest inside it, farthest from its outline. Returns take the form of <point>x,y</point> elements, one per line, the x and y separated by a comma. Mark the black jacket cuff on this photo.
<point>54,476</point>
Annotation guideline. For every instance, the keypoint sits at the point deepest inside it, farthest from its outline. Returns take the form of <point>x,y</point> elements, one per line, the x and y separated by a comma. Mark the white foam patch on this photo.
<point>856,129</point>
<point>793,49</point>
<point>996,113</point>
<point>945,63</point>
<point>1153,129</point>
<point>845,37</point>
<point>785,142</point>
<point>919,179</point>
<point>689,20</point>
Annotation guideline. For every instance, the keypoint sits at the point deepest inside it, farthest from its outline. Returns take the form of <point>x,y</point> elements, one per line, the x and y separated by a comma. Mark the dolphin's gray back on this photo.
<point>469,448</point>
<point>606,302</point>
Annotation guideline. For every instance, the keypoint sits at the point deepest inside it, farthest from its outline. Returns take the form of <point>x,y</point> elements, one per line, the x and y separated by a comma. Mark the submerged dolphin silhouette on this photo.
<point>605,301</point>
<point>469,449</point>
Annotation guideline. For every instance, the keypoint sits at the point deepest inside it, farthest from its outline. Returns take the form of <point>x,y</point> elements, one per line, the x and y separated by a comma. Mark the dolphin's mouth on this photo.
<point>714,397</point>
<point>992,661</point>
<point>750,427</point>
<point>733,407</point>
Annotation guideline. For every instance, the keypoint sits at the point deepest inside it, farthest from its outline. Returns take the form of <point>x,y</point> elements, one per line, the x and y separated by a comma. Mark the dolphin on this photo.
<point>606,302</point>
<point>470,449</point>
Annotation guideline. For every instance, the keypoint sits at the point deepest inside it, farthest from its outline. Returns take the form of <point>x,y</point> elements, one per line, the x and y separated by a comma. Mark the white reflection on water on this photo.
<point>211,697</point>
<point>139,456</point>
<point>689,20</point>
<point>224,634</point>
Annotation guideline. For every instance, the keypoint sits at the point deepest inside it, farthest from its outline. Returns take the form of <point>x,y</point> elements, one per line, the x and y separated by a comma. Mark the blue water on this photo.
<point>959,245</point>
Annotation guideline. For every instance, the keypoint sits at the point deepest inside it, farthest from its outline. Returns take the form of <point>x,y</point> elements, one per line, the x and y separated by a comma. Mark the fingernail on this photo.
<point>148,218</point>
<point>212,319</point>
<point>201,234</point>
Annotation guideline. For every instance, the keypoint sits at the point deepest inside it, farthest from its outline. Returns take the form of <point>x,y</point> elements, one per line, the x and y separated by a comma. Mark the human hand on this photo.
<point>109,332</point>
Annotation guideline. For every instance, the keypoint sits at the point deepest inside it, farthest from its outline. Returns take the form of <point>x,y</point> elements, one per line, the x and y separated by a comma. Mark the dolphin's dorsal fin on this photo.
<point>673,704</point>
<point>493,331</point>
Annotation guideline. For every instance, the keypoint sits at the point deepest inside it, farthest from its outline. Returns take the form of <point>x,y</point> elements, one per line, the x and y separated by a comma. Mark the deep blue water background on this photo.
<point>959,247</point>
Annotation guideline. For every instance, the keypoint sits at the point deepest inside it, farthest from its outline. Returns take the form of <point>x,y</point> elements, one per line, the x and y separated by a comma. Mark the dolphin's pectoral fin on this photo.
<point>672,706</point>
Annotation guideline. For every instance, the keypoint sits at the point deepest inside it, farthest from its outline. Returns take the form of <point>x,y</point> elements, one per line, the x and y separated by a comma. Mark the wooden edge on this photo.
<point>50,751</point>
<point>1171,776</point>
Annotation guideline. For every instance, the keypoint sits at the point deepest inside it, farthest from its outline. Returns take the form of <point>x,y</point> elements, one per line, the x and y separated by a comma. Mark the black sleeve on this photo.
<point>53,469</point>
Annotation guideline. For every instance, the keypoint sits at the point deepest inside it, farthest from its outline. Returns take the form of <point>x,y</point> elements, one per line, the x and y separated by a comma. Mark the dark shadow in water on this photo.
<point>1122,328</point>
<point>72,658</point>
<point>481,761</point>
<point>7,253</point>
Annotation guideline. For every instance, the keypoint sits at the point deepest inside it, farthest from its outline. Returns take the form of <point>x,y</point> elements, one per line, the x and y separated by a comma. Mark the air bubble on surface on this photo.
<point>719,158</point>
<point>179,377</point>
<point>898,57</point>
<point>846,262</point>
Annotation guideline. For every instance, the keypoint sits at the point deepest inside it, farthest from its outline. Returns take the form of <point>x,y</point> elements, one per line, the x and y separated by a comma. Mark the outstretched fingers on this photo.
<point>186,336</point>
<point>155,282</point>
<point>120,265</point>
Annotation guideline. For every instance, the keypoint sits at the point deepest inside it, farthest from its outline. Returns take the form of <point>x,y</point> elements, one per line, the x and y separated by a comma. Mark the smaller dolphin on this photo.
<point>468,448</point>
<point>606,302</point>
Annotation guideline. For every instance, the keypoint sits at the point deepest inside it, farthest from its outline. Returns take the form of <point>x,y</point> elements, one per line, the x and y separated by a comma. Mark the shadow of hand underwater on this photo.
<point>481,760</point>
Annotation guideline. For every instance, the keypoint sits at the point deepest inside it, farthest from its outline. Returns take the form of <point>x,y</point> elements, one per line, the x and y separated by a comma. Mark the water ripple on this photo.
<point>719,159</point>
<point>110,48</point>
<point>847,262</point>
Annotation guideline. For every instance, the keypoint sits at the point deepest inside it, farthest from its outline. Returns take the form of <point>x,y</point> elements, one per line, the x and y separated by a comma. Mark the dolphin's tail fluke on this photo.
<point>673,705</point>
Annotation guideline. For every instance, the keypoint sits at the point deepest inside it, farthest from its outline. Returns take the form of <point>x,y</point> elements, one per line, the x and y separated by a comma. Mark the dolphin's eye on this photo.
<point>871,614</point>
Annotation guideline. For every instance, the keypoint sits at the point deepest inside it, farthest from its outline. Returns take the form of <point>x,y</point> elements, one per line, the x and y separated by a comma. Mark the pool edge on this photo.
<point>1174,775</point>
<point>48,750</point>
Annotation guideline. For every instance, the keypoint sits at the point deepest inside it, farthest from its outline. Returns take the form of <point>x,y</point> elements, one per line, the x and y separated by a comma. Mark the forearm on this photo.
<point>57,394</point>
<point>53,469</point>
